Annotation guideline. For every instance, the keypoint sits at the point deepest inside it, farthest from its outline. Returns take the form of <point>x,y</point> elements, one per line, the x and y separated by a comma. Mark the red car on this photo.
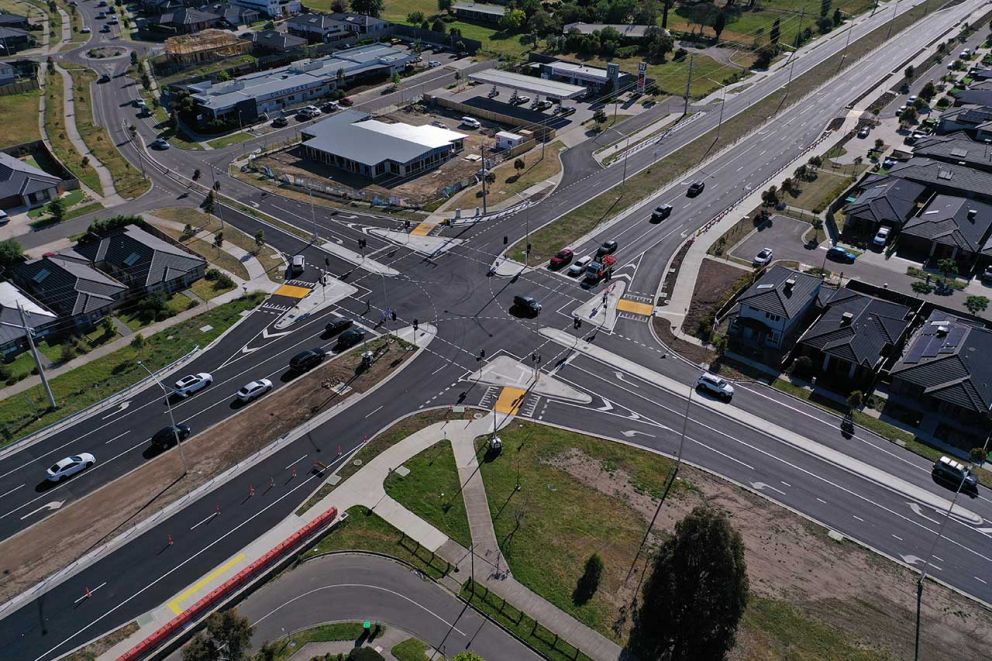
<point>563,257</point>
<point>345,102</point>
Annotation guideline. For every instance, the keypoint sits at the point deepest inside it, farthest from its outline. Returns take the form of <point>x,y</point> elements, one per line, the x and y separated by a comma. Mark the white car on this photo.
<point>86,29</point>
<point>763,257</point>
<point>881,236</point>
<point>471,122</point>
<point>192,383</point>
<point>912,99</point>
<point>4,218</point>
<point>254,389</point>
<point>715,385</point>
<point>579,266</point>
<point>431,64</point>
<point>70,466</point>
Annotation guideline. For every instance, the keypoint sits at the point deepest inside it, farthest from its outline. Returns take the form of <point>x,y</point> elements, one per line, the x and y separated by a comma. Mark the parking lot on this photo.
<point>478,95</point>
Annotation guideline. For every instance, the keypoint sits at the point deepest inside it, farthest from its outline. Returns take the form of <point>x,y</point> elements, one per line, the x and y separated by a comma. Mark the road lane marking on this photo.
<point>893,534</point>
<point>635,307</point>
<point>118,436</point>
<point>200,523</point>
<point>292,291</point>
<point>7,493</point>
<point>858,518</point>
<point>296,462</point>
<point>509,400</point>
<point>938,558</point>
<point>785,483</point>
<point>89,593</point>
<point>374,410</point>
<point>822,501</point>
<point>980,580</point>
<point>176,604</point>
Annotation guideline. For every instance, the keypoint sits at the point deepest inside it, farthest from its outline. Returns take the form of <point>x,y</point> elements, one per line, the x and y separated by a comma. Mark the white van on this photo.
<point>471,122</point>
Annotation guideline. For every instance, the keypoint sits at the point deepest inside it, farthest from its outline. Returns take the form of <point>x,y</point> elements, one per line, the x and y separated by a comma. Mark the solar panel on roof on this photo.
<point>766,285</point>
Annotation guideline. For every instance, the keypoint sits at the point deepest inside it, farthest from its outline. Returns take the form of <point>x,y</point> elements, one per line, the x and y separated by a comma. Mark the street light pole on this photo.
<point>34,352</point>
<point>172,419</point>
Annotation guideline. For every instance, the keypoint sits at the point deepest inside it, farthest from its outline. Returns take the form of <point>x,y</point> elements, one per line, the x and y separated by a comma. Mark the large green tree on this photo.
<point>11,253</point>
<point>696,593</point>
<point>367,7</point>
<point>226,637</point>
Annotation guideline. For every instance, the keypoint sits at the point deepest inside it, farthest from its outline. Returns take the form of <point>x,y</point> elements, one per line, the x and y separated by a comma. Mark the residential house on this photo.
<point>273,41</point>
<point>853,337</point>
<point>887,201</point>
<point>13,338</point>
<point>23,185</point>
<point>976,121</point>
<point>945,374</point>
<point>772,312</point>
<point>319,28</point>
<point>157,7</point>
<point>479,12</point>
<point>8,74</point>
<point>949,226</point>
<point>948,178</point>
<point>13,40</point>
<point>14,21</point>
<point>956,148</point>
<point>272,8</point>
<point>69,285</point>
<point>143,261</point>
<point>187,21</point>
<point>232,16</point>
<point>365,26</point>
<point>979,94</point>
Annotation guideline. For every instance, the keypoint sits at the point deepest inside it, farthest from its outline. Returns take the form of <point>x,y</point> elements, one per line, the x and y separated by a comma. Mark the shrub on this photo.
<point>138,341</point>
<point>977,455</point>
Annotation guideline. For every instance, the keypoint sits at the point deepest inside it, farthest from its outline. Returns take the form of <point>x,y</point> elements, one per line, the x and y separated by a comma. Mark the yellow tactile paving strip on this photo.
<point>635,307</point>
<point>509,400</point>
<point>423,229</point>
<point>176,605</point>
<point>292,291</point>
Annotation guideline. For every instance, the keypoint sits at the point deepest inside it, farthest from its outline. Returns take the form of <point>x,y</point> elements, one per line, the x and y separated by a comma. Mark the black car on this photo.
<point>337,326</point>
<point>166,437</point>
<point>350,338</point>
<point>695,188</point>
<point>308,359</point>
<point>608,248</point>
<point>527,304</point>
<point>280,122</point>
<point>661,212</point>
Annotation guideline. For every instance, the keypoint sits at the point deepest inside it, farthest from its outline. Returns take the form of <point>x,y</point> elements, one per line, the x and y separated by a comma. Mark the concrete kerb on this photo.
<point>93,556</point>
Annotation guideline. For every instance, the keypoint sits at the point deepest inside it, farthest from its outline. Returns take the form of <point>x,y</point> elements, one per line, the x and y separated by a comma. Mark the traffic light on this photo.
<point>506,240</point>
<point>393,315</point>
<point>362,243</point>
<point>416,323</point>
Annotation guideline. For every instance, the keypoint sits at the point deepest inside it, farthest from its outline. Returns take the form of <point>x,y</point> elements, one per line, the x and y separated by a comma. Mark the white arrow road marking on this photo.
<point>245,349</point>
<point>120,408</point>
<point>917,510</point>
<point>984,531</point>
<point>607,406</point>
<point>54,505</point>
<point>267,335</point>
<point>760,486</point>
<point>620,377</point>
<point>631,433</point>
<point>911,559</point>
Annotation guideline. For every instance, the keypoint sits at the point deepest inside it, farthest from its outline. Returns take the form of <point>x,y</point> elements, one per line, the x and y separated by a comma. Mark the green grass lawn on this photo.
<point>410,649</point>
<point>70,199</point>
<point>207,289</point>
<point>432,491</point>
<point>286,647</point>
<point>62,147</point>
<point>230,139</point>
<point>707,74</point>
<point>20,118</point>
<point>816,195</point>
<point>205,70</point>
<point>215,256</point>
<point>178,302</point>
<point>27,411</point>
<point>366,531</point>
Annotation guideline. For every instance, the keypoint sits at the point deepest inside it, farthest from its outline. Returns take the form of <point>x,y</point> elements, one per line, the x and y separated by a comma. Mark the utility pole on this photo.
<point>37,360</point>
<point>895,9</point>
<point>172,419</point>
<point>688,84</point>
<point>485,175</point>
<point>843,53</point>
<point>313,214</point>
<point>723,102</point>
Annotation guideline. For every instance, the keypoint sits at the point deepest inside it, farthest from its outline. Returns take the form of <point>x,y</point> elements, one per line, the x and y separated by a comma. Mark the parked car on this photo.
<point>563,257</point>
<point>308,359</point>
<point>193,383</point>
<point>608,248</point>
<point>432,64</point>
<point>565,112</point>
<point>519,100</point>
<point>105,78</point>
<point>70,466</point>
<point>86,29</point>
<point>838,254</point>
<point>527,304</point>
<point>345,101</point>
<point>349,338</point>
<point>953,475</point>
<point>579,267</point>
<point>140,103</point>
<point>105,29</point>
<point>864,131</point>
<point>280,122</point>
<point>166,437</point>
<point>881,236</point>
<point>4,218</point>
<point>471,122</point>
<point>541,105</point>
<point>161,144</point>
<point>695,188</point>
<point>253,390</point>
<point>986,275</point>
<point>715,385</point>
<point>763,258</point>
<point>661,212</point>
<point>330,106</point>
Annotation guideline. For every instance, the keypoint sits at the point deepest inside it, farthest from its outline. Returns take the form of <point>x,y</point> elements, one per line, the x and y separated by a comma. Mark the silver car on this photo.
<point>70,466</point>
<point>578,267</point>
<point>254,390</point>
<point>715,385</point>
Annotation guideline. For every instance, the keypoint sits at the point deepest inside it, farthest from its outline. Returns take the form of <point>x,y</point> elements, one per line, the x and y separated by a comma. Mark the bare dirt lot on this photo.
<point>812,597</point>
<point>85,524</point>
<point>416,191</point>
<point>715,282</point>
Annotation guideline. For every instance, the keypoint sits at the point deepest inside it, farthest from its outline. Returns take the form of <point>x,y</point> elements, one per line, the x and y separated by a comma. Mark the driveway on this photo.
<point>784,236</point>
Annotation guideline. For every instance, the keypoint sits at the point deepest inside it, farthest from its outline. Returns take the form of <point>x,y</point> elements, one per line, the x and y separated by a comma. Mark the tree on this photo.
<point>208,202</point>
<point>226,636</point>
<point>467,655</point>
<point>153,307</point>
<point>789,186</point>
<point>801,366</point>
<point>719,23</point>
<point>696,594</point>
<point>444,5</point>
<point>219,239</point>
<point>259,241</point>
<point>664,15</point>
<point>57,209</point>
<point>519,166</point>
<point>587,584</point>
<point>838,17</point>
<point>395,80</point>
<point>134,58</point>
<point>909,72</point>
<point>855,400</point>
<point>543,23</point>
<point>776,32</point>
<point>948,266</point>
<point>765,55</point>
<point>512,20</point>
<point>364,654</point>
<point>657,44</point>
<point>599,117</point>
<point>976,304</point>
<point>339,6</point>
<point>367,7</point>
<point>825,7</point>
<point>824,24</point>
<point>977,455</point>
<point>437,25</point>
<point>415,17</point>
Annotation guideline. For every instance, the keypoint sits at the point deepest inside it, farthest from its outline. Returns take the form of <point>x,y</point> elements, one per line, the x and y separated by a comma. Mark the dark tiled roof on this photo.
<point>316,22</point>
<point>12,19</point>
<point>275,40</point>
<point>978,96</point>
<point>946,175</point>
<point>982,74</point>
<point>145,258</point>
<point>187,16</point>
<point>37,316</point>
<point>13,33</point>
<point>949,221</point>
<point>887,199</point>
<point>19,178</point>
<point>68,284</point>
<point>874,325</point>
<point>771,294</point>
<point>954,147</point>
<point>949,358</point>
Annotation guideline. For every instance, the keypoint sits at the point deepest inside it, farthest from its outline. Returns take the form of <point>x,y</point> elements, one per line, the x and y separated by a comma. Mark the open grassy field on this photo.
<point>708,75</point>
<point>61,145</point>
<point>20,118</point>
<point>508,184</point>
<point>816,195</point>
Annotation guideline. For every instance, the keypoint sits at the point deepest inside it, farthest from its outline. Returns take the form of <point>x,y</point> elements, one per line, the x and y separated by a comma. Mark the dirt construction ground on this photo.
<point>96,519</point>
<point>869,599</point>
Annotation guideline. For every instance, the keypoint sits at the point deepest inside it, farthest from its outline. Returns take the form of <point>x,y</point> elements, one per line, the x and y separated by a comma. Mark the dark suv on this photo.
<point>953,474</point>
<point>308,359</point>
<point>166,437</point>
<point>350,338</point>
<point>527,304</point>
<point>337,326</point>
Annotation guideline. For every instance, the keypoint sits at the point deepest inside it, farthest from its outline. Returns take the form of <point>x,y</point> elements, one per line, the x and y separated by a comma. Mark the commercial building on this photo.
<point>298,83</point>
<point>629,32</point>
<point>356,143</point>
<point>549,89</point>
<point>23,185</point>
<point>592,78</point>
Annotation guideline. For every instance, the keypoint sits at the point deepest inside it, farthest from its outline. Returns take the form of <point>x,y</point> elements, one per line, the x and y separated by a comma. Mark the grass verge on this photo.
<point>20,118</point>
<point>93,650</point>
<point>410,649</point>
<point>286,647</point>
<point>28,411</point>
<point>364,530</point>
<point>509,183</point>
<point>433,491</point>
<point>62,147</point>
<point>230,139</point>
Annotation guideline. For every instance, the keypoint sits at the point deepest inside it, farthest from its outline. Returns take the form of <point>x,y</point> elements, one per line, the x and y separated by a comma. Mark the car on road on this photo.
<point>105,29</point>
<point>911,99</point>
<point>86,29</point>
<point>280,122</point>
<point>527,304</point>
<point>695,188</point>
<point>715,385</point>
<point>254,389</point>
<point>661,212</point>
<point>297,265</point>
<point>193,383</point>
<point>433,64</point>
<point>900,110</point>
<point>346,102</point>
<point>864,131</point>
<point>140,103</point>
<point>838,254</point>
<point>881,236</point>
<point>161,144</point>
<point>308,359</point>
<point>953,474</point>
<point>166,437</point>
<point>565,112</point>
<point>105,78</point>
<point>471,122</point>
<point>608,248</point>
<point>338,326</point>
<point>349,338</point>
<point>563,257</point>
<point>965,53</point>
<point>330,106</point>
<point>70,466</point>
<point>4,218</point>
<point>579,267</point>
<point>763,258</point>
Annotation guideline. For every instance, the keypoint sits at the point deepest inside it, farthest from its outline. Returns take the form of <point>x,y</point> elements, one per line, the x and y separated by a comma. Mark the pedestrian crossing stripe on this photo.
<point>423,229</point>
<point>636,307</point>
<point>509,400</point>
<point>292,291</point>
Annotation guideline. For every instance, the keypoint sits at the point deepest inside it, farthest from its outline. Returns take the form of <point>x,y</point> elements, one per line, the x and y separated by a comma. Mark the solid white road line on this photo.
<point>369,414</point>
<point>858,518</point>
<point>118,436</point>
<point>897,537</point>
<point>296,462</point>
<point>89,593</point>
<point>5,493</point>
<point>200,523</point>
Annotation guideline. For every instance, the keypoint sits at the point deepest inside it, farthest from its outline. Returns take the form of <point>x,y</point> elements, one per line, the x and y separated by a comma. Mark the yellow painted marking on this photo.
<point>510,400</point>
<point>176,604</point>
<point>423,229</point>
<point>636,307</point>
<point>292,291</point>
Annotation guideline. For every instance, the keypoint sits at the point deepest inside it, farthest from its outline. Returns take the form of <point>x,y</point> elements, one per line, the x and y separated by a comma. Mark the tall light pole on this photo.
<point>172,419</point>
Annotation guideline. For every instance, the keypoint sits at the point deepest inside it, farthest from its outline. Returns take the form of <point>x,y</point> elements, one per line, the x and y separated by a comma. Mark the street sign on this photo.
<point>642,77</point>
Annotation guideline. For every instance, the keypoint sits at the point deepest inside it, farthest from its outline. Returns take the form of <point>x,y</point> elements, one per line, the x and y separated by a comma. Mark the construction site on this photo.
<point>204,47</point>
